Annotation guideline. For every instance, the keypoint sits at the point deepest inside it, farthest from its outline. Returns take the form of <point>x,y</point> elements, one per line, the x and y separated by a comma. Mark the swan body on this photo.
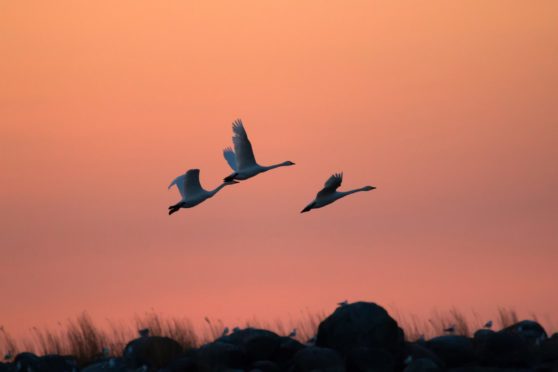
<point>242,160</point>
<point>191,191</point>
<point>329,193</point>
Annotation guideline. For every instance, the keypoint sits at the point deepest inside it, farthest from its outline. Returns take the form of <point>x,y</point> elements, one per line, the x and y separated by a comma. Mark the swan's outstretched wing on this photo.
<point>230,157</point>
<point>188,183</point>
<point>242,147</point>
<point>192,184</point>
<point>179,182</point>
<point>331,184</point>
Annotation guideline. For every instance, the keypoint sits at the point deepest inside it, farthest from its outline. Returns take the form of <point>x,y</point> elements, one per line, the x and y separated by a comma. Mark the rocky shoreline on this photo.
<point>357,337</point>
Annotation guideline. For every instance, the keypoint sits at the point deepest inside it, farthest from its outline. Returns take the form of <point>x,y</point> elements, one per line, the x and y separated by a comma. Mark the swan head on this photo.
<point>287,163</point>
<point>368,188</point>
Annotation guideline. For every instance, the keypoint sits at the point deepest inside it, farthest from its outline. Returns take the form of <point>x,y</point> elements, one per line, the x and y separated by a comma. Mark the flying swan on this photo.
<point>191,190</point>
<point>329,193</point>
<point>241,159</point>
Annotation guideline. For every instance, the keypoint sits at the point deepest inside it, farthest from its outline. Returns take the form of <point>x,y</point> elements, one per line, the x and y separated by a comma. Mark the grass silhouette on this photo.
<point>86,339</point>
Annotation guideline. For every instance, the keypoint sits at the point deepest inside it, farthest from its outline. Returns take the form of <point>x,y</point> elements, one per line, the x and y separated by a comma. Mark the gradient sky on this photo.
<point>449,108</point>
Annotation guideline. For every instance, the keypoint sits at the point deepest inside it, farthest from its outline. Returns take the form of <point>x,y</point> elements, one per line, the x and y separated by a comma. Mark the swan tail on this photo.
<point>308,208</point>
<point>230,178</point>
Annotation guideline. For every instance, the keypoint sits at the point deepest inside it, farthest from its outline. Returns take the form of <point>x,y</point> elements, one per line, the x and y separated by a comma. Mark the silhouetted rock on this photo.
<point>315,358</point>
<point>363,359</point>
<point>153,351</point>
<point>182,364</point>
<point>504,349</point>
<point>265,366</point>
<point>108,365</point>
<point>455,351</point>
<point>530,330</point>
<point>26,362</point>
<point>360,324</point>
<point>286,351</point>
<point>482,333</point>
<point>5,367</point>
<point>219,356</point>
<point>418,350</point>
<point>57,363</point>
<point>423,365</point>
<point>548,350</point>
<point>258,344</point>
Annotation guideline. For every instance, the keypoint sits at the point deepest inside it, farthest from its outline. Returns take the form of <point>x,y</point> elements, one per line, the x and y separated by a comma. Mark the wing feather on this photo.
<point>242,146</point>
<point>332,184</point>
<point>230,157</point>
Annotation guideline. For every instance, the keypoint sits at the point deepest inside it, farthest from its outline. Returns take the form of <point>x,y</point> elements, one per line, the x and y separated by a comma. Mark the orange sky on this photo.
<point>449,108</point>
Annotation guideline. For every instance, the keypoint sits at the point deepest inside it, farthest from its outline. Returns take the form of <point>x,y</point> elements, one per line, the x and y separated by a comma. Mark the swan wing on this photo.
<point>331,184</point>
<point>242,146</point>
<point>192,184</point>
<point>230,157</point>
<point>179,182</point>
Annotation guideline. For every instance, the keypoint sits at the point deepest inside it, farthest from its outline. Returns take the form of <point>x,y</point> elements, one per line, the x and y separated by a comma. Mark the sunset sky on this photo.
<point>449,108</point>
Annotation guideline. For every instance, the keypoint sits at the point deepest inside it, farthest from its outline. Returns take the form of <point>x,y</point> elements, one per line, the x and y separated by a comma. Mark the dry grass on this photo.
<point>85,339</point>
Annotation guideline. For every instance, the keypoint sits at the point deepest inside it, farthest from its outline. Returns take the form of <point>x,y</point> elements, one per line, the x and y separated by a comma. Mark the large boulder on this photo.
<point>27,362</point>
<point>217,356</point>
<point>504,349</point>
<point>151,351</point>
<point>530,330</point>
<point>423,365</point>
<point>265,366</point>
<point>58,363</point>
<point>418,350</point>
<point>361,324</point>
<point>258,344</point>
<point>364,359</point>
<point>315,358</point>
<point>548,350</point>
<point>285,352</point>
<point>455,351</point>
<point>107,365</point>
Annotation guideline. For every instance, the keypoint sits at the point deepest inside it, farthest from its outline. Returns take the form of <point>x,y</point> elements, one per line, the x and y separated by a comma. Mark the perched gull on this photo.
<point>191,190</point>
<point>293,333</point>
<point>450,329</point>
<point>144,332</point>
<point>225,331</point>
<point>329,193</point>
<point>343,303</point>
<point>488,324</point>
<point>241,159</point>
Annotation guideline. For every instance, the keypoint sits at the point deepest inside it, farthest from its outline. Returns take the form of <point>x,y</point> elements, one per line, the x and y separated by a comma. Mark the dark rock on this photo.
<point>286,351</point>
<point>58,363</point>
<point>423,365</point>
<point>153,351</point>
<point>27,362</point>
<point>265,366</point>
<point>487,369</point>
<point>419,350</point>
<point>548,349</point>
<point>315,358</point>
<point>360,324</point>
<point>218,356</point>
<point>363,359</point>
<point>258,344</point>
<point>109,365</point>
<point>530,330</point>
<point>482,333</point>
<point>182,364</point>
<point>504,349</point>
<point>455,351</point>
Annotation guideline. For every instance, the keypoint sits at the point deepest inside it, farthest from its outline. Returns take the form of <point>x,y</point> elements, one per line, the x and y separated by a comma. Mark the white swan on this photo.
<point>242,160</point>
<point>329,193</point>
<point>191,190</point>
